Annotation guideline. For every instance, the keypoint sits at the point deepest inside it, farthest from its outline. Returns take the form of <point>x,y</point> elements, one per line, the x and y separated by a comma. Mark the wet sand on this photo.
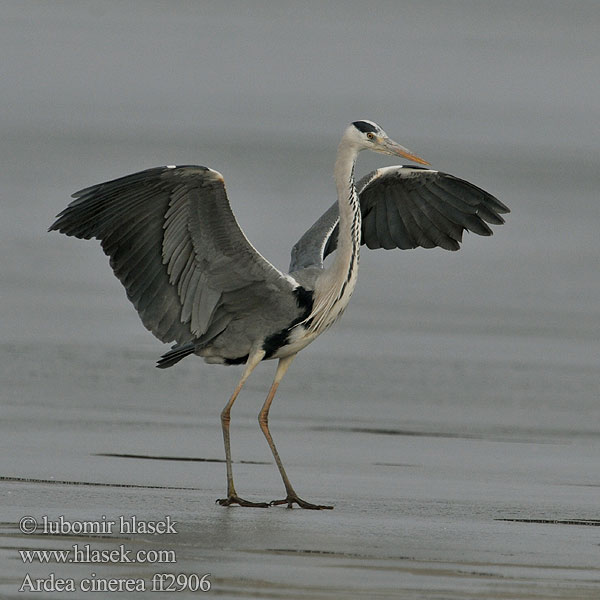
<point>440,491</point>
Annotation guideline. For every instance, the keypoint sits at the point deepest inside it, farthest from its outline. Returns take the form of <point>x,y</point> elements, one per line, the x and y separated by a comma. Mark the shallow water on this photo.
<point>451,416</point>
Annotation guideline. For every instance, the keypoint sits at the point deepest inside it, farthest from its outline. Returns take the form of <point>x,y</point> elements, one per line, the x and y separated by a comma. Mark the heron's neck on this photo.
<point>345,263</point>
<point>336,284</point>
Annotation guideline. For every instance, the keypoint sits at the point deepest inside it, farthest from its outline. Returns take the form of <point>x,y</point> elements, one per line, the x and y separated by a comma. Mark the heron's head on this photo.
<point>366,135</point>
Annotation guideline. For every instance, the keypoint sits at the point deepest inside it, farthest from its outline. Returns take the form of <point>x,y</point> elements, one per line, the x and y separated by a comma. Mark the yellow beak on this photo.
<point>391,147</point>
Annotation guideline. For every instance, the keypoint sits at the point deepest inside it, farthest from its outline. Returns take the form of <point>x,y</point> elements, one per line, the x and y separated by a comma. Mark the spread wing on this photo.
<point>175,245</point>
<point>406,207</point>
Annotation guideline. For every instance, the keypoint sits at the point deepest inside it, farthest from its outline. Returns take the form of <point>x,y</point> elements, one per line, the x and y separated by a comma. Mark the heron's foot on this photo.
<point>293,499</point>
<point>233,499</point>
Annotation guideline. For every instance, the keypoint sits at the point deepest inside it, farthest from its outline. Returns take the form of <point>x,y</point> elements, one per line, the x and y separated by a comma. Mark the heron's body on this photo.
<point>282,334</point>
<point>318,295</point>
<point>195,279</point>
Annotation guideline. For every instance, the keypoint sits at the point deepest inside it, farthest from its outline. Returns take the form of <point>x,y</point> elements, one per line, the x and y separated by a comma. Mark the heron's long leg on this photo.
<point>263,419</point>
<point>232,497</point>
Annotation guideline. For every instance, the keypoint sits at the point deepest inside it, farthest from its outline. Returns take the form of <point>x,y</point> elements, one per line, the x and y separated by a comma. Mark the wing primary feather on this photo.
<point>482,202</point>
<point>487,214</point>
<point>461,186</point>
<point>469,217</point>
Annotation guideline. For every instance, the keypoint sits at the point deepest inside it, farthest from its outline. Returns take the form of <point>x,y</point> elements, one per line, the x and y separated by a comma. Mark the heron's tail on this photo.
<point>175,355</point>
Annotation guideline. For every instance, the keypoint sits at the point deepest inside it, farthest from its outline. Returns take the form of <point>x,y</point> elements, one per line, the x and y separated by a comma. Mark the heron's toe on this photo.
<point>237,500</point>
<point>293,499</point>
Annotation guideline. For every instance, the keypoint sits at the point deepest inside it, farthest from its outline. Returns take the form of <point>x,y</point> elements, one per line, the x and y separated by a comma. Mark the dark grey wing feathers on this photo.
<point>381,226</point>
<point>398,230</point>
<point>407,207</point>
<point>175,245</point>
<point>421,225</point>
<point>433,228</point>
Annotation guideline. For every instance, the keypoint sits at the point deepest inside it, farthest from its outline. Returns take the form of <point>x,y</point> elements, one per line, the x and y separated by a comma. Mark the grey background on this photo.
<point>458,389</point>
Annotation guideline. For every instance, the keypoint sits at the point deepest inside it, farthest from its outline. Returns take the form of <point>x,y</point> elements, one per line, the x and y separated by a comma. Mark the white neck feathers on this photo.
<point>335,286</point>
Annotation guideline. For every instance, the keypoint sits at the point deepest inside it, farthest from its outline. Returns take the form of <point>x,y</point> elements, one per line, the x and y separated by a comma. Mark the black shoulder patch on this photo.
<point>304,299</point>
<point>364,127</point>
<point>275,341</point>
<point>279,339</point>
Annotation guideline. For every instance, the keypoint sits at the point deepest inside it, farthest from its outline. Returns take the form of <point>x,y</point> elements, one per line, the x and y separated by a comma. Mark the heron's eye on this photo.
<point>371,136</point>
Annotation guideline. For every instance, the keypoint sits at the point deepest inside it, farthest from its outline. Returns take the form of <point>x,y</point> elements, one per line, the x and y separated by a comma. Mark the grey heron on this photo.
<point>196,280</point>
